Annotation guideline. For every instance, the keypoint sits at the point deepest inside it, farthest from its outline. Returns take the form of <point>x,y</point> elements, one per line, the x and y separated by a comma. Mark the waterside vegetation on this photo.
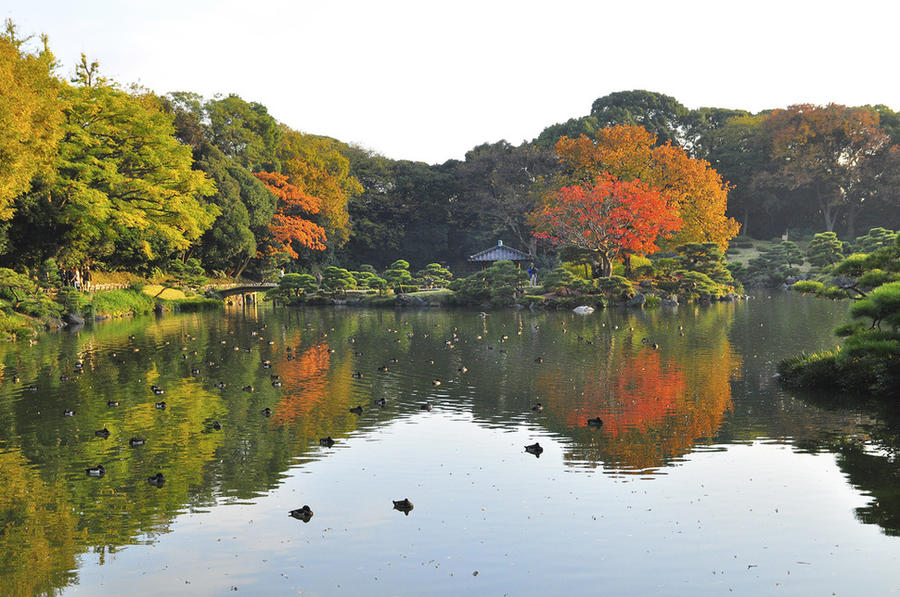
<point>869,360</point>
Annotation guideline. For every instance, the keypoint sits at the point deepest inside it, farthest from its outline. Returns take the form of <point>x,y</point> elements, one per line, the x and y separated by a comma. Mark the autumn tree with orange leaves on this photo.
<point>291,227</point>
<point>693,189</point>
<point>609,218</point>
<point>839,154</point>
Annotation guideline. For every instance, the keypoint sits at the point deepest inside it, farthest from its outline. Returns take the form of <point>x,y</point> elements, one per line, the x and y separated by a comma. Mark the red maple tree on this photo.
<point>290,224</point>
<point>611,218</point>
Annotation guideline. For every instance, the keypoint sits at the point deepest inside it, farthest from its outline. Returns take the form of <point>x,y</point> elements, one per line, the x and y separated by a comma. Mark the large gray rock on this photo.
<point>72,319</point>
<point>670,301</point>
<point>637,300</point>
<point>407,300</point>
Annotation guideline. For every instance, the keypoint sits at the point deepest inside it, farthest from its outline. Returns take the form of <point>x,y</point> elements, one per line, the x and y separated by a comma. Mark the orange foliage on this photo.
<point>645,393</point>
<point>609,218</point>
<point>691,186</point>
<point>307,376</point>
<point>654,405</point>
<point>289,225</point>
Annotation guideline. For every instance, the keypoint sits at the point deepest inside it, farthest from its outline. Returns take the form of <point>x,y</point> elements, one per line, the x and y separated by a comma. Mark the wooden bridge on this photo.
<point>226,291</point>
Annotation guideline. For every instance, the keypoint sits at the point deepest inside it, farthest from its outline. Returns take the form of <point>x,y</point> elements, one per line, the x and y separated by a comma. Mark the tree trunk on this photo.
<point>851,221</point>
<point>241,269</point>
<point>601,269</point>
<point>829,215</point>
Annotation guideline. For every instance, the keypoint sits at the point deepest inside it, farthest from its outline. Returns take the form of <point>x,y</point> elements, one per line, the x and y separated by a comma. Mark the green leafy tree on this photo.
<point>379,284</point>
<point>246,208</point>
<point>125,186</point>
<point>662,115</point>
<point>495,191</point>
<point>15,287</point>
<point>615,287</point>
<point>869,360</point>
<point>708,259</point>
<point>775,264</point>
<point>291,286</point>
<point>244,131</point>
<point>882,305</point>
<point>187,273</point>
<point>572,128</point>
<point>362,278</point>
<point>791,252</point>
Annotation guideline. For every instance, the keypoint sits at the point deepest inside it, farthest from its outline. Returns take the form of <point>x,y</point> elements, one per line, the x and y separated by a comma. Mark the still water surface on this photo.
<point>705,478</point>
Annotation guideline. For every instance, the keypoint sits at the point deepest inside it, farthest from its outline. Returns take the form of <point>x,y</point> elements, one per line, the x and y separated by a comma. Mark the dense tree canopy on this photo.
<point>661,115</point>
<point>826,150</point>
<point>693,189</point>
<point>92,173</point>
<point>125,187</point>
<point>31,115</point>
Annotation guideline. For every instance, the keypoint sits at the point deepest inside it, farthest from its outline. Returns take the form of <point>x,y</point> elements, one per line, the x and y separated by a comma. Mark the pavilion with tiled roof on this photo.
<point>498,252</point>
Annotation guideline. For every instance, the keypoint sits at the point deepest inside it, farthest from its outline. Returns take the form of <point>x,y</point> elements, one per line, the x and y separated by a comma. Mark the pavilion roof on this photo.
<point>500,251</point>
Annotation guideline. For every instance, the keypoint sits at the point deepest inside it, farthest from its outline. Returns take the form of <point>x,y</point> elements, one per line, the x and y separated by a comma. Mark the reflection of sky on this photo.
<point>758,518</point>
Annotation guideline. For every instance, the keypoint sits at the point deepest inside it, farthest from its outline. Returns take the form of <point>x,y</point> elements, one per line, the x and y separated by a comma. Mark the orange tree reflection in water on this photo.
<point>307,378</point>
<point>655,404</point>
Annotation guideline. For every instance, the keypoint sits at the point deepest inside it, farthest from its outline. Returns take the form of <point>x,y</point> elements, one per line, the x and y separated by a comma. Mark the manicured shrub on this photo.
<point>434,275</point>
<point>615,287</point>
<point>501,284</point>
<point>397,274</point>
<point>559,280</point>
<point>337,280</point>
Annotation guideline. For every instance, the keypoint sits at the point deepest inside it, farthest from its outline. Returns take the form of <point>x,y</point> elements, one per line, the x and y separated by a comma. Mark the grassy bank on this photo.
<point>14,325</point>
<point>117,303</point>
<point>197,303</point>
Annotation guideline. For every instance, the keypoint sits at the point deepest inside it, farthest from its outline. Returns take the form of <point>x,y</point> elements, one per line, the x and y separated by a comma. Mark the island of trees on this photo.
<point>640,200</point>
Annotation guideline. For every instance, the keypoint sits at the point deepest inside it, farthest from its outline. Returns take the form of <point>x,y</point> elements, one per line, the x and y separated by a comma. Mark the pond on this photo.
<point>705,476</point>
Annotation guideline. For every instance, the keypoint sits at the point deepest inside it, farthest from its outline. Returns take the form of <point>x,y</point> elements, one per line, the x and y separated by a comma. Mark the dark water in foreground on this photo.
<point>705,478</point>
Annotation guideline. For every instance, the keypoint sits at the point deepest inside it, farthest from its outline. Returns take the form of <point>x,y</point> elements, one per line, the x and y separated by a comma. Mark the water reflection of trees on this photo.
<point>865,437</point>
<point>655,403</point>
<point>50,512</point>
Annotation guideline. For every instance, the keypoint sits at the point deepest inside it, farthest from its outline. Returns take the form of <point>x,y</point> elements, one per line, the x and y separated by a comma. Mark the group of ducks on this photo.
<point>157,480</point>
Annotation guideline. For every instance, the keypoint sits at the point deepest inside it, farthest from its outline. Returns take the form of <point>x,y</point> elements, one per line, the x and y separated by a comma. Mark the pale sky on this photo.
<point>428,81</point>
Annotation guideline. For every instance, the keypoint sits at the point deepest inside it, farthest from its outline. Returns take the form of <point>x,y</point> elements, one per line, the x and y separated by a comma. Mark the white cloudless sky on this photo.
<point>428,81</point>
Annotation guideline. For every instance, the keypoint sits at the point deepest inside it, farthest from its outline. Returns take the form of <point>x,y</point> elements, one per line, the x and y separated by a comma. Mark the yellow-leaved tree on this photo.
<point>31,116</point>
